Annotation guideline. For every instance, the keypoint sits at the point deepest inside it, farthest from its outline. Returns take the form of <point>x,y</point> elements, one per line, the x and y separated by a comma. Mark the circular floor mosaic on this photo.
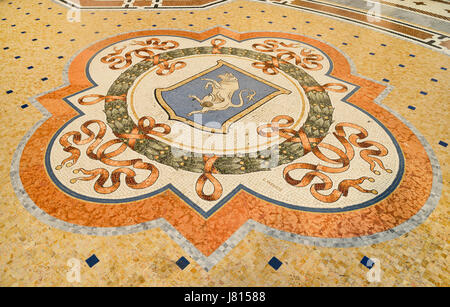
<point>219,132</point>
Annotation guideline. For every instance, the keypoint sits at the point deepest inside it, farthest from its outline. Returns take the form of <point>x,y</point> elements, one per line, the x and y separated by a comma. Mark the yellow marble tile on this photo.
<point>32,253</point>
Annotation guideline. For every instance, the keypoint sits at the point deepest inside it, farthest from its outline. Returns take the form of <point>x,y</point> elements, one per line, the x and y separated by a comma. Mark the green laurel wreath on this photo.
<point>317,123</point>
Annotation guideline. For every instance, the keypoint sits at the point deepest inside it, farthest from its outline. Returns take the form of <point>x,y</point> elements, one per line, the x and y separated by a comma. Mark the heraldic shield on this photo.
<point>217,97</point>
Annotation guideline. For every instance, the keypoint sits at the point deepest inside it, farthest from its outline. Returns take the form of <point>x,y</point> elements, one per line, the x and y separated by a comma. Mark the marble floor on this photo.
<point>224,143</point>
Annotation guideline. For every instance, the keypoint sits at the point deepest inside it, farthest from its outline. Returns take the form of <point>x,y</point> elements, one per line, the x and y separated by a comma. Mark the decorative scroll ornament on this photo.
<point>115,59</point>
<point>140,132</point>
<point>307,59</point>
<point>342,163</point>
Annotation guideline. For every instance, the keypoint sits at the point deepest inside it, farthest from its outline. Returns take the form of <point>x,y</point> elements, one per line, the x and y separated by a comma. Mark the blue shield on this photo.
<point>215,98</point>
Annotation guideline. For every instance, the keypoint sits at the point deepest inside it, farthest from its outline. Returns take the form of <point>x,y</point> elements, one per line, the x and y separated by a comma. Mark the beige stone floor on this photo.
<point>32,253</point>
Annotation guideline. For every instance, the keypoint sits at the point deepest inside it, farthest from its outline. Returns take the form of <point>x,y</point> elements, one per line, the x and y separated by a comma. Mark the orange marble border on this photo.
<point>208,234</point>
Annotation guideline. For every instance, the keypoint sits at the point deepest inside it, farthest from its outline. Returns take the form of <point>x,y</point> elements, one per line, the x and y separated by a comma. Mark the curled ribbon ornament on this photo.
<point>207,176</point>
<point>279,126</point>
<point>170,68</point>
<point>165,66</point>
<point>326,184</point>
<point>269,67</point>
<point>288,55</point>
<point>271,45</point>
<point>217,43</point>
<point>332,87</point>
<point>311,60</point>
<point>318,170</point>
<point>149,129</point>
<point>75,153</point>
<point>368,155</point>
<point>272,66</point>
<point>115,60</point>
<point>130,181</point>
<point>99,98</point>
<point>105,157</point>
<point>142,131</point>
<point>96,139</point>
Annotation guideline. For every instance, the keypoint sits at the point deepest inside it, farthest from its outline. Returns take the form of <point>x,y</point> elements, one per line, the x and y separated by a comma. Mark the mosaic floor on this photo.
<point>224,143</point>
